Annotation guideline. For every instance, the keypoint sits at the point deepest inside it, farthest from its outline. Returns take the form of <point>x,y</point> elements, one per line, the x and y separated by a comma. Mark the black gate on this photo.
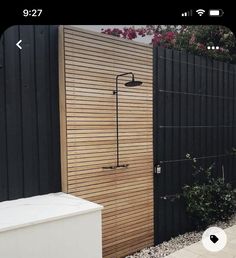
<point>194,112</point>
<point>29,112</point>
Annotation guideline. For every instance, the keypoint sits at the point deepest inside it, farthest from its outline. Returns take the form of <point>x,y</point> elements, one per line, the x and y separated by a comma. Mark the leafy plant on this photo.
<point>209,199</point>
<point>194,38</point>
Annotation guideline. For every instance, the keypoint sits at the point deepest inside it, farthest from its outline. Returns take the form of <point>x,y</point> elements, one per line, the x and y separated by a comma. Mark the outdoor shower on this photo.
<point>132,83</point>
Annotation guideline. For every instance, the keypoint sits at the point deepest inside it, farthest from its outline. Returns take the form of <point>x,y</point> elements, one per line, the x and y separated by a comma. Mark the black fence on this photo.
<point>29,113</point>
<point>195,113</point>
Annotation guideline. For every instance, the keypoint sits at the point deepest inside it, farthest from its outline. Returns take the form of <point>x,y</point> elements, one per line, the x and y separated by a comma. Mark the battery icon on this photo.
<point>216,12</point>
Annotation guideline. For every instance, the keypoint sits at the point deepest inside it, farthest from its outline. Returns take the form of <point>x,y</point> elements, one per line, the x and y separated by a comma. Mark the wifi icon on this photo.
<point>200,12</point>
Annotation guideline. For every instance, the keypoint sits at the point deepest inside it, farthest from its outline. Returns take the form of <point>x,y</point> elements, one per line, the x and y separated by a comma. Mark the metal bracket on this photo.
<point>109,167</point>
<point>123,166</point>
<point>115,167</point>
<point>157,169</point>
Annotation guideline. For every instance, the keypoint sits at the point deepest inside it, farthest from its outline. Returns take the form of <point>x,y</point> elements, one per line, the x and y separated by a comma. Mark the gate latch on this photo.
<point>157,169</point>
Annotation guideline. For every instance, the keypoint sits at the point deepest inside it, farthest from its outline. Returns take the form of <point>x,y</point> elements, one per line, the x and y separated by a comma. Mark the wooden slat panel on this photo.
<point>96,55</point>
<point>62,95</point>
<point>83,71</point>
<point>92,61</point>
<point>105,38</point>
<point>76,44</point>
<point>105,61</point>
<point>107,172</point>
<point>104,70</point>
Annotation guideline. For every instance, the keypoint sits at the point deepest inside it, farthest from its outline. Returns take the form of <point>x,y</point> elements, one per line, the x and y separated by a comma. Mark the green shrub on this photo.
<point>209,199</point>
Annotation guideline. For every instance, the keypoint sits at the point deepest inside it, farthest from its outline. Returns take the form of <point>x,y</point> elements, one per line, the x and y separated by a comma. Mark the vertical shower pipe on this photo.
<point>117,120</point>
<point>131,83</point>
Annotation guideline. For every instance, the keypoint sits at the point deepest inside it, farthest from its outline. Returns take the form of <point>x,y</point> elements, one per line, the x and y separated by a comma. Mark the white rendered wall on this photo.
<point>72,235</point>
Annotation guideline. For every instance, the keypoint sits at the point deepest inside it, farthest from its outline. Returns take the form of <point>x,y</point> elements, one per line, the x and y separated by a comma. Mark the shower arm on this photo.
<point>117,77</point>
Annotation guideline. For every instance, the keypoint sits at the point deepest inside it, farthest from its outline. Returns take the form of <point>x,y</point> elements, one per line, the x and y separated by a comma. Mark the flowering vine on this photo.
<point>194,39</point>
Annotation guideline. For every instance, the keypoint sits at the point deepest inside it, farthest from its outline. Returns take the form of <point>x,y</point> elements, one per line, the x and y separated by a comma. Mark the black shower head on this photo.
<point>133,83</point>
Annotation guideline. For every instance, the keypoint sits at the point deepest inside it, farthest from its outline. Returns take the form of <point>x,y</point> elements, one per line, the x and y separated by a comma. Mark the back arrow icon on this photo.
<point>18,44</point>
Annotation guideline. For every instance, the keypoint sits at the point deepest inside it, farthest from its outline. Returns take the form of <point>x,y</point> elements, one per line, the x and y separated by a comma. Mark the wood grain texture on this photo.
<point>90,62</point>
<point>62,97</point>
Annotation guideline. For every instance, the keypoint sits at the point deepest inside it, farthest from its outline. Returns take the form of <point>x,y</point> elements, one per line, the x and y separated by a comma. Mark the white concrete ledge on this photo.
<point>50,226</point>
<point>43,208</point>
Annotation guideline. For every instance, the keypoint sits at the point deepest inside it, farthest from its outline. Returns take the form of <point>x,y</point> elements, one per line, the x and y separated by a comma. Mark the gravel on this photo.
<point>178,242</point>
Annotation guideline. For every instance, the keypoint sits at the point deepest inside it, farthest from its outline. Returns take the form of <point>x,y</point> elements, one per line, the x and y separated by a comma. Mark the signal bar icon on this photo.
<point>188,13</point>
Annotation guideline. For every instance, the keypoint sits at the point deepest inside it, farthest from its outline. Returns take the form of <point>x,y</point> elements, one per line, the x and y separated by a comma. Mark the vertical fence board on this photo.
<point>197,105</point>
<point>3,133</point>
<point>43,100</point>
<point>220,113</point>
<point>54,179</point>
<point>159,77</point>
<point>155,142</point>
<point>191,112</point>
<point>176,143</point>
<point>29,113</point>
<point>183,148</point>
<point>231,128</point>
<point>203,121</point>
<point>14,115</point>
<point>168,120</point>
<point>233,70</point>
<point>209,109</point>
<point>30,163</point>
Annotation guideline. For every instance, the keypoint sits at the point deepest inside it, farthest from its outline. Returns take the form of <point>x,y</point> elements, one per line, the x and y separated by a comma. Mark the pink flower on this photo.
<point>124,33</point>
<point>131,34</point>
<point>107,31</point>
<point>169,36</point>
<point>156,40</point>
<point>116,32</point>
<point>141,32</point>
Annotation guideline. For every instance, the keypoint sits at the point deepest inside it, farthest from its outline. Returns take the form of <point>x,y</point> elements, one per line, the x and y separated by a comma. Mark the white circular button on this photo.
<point>214,239</point>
